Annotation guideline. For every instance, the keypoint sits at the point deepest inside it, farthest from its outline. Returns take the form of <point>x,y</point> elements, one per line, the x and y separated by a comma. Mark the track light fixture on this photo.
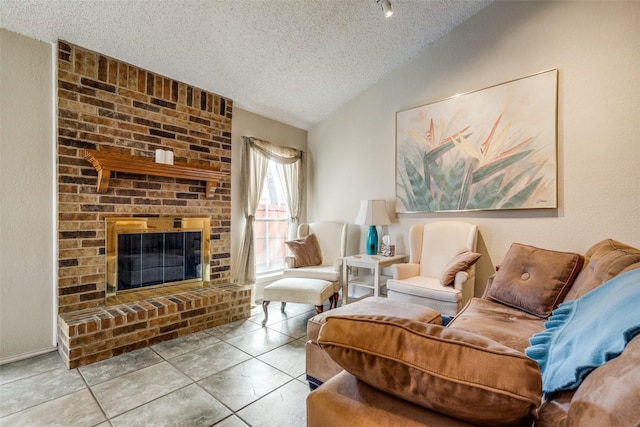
<point>386,7</point>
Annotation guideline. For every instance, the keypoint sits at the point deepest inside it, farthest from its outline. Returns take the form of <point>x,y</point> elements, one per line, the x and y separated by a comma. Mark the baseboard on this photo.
<point>27,355</point>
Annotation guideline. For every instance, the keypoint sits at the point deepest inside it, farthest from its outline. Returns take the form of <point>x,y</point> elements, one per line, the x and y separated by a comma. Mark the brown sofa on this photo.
<point>391,364</point>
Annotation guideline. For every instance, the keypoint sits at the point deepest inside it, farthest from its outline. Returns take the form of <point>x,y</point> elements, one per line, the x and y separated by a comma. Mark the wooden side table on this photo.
<point>375,263</point>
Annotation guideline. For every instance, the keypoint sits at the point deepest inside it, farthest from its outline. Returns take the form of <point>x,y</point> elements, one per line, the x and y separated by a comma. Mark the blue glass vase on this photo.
<point>372,240</point>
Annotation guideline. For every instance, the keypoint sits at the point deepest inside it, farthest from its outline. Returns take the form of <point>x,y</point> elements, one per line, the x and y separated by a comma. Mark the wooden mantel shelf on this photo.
<point>105,163</point>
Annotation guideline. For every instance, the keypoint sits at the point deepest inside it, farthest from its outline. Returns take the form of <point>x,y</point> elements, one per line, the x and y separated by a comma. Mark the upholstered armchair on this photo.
<point>321,260</point>
<point>440,273</point>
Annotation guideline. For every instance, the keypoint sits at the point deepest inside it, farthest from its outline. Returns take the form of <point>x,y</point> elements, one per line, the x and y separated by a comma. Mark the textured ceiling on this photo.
<point>295,61</point>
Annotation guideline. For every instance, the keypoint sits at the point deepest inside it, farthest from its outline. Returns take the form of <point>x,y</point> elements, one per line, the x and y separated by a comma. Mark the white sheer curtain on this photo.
<point>256,155</point>
<point>291,174</point>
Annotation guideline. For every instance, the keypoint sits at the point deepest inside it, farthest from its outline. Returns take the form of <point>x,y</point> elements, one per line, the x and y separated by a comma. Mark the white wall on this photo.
<point>595,47</point>
<point>246,123</point>
<point>27,162</point>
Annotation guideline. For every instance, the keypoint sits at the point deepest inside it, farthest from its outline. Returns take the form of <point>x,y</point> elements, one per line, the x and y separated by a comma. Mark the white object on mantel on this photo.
<point>168,157</point>
<point>164,156</point>
<point>160,155</point>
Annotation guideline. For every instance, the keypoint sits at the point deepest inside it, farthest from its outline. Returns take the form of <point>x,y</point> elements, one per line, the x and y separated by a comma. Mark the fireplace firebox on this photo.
<point>156,252</point>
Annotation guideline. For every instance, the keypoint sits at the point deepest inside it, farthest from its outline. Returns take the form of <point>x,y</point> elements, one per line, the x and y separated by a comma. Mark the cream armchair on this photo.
<point>332,241</point>
<point>440,273</point>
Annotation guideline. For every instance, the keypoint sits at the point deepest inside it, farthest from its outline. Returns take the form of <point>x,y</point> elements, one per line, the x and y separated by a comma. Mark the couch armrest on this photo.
<point>609,394</point>
<point>405,270</point>
<point>460,280</point>
<point>337,264</point>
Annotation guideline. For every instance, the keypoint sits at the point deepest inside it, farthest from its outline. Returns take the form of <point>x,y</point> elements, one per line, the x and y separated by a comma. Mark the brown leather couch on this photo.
<point>482,376</point>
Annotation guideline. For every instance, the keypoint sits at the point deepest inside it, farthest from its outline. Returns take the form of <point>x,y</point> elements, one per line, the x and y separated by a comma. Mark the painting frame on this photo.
<point>494,148</point>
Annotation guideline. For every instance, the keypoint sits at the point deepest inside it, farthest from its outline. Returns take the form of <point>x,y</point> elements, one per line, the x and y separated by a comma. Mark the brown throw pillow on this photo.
<point>461,262</point>
<point>534,280</point>
<point>306,250</point>
<point>451,371</point>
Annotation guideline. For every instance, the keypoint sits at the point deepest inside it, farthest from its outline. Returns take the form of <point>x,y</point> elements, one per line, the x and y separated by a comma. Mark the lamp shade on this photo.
<point>373,212</point>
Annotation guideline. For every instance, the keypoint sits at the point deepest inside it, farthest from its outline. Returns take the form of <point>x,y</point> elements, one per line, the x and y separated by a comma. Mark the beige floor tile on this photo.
<point>77,409</point>
<point>28,367</point>
<point>231,421</point>
<point>182,345</point>
<point>242,384</point>
<point>285,406</point>
<point>231,330</point>
<point>289,358</point>
<point>276,315</point>
<point>260,341</point>
<point>295,327</point>
<point>37,389</point>
<point>129,391</point>
<point>208,360</point>
<point>189,406</point>
<point>120,365</point>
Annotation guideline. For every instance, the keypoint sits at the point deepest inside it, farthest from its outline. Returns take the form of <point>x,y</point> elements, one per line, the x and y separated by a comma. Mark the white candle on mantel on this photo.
<point>160,156</point>
<point>168,157</point>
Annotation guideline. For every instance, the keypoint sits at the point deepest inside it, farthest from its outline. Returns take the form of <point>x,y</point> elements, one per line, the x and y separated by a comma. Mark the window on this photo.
<point>271,225</point>
<point>266,207</point>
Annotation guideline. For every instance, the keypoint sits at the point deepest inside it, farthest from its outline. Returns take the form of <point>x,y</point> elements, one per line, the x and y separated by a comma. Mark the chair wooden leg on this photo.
<point>266,312</point>
<point>319,309</point>
<point>333,301</point>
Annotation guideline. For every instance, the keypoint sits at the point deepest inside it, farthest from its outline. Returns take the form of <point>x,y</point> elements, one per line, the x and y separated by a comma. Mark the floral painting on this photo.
<point>490,149</point>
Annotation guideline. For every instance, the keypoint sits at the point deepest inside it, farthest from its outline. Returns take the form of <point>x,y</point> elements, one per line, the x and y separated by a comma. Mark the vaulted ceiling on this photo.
<point>295,61</point>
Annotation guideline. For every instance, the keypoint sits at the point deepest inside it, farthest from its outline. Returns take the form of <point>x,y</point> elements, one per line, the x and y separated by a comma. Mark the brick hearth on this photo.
<point>87,336</point>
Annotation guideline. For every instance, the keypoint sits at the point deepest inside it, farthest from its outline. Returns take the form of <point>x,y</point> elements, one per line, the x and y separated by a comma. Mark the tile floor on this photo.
<point>233,375</point>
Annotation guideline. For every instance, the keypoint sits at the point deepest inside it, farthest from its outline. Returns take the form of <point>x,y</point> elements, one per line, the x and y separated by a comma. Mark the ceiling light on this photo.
<point>386,7</point>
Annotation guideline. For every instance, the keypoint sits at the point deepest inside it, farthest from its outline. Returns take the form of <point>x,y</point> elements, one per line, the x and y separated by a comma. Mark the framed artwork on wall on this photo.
<point>491,149</point>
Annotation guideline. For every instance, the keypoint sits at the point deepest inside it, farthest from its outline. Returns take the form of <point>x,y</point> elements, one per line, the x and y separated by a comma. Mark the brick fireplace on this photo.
<point>111,106</point>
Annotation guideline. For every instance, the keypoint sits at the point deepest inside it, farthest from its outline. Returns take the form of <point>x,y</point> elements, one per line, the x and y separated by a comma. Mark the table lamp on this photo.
<point>372,213</point>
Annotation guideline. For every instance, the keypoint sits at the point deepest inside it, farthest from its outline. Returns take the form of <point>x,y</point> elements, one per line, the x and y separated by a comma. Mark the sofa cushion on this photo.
<point>450,371</point>
<point>461,262</point>
<point>306,250</point>
<point>321,272</point>
<point>345,401</point>
<point>374,305</point>
<point>534,280</point>
<point>604,260</point>
<point>425,287</point>
<point>506,325</point>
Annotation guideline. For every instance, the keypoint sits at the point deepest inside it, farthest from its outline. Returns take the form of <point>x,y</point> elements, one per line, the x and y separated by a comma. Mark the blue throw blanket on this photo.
<point>585,333</point>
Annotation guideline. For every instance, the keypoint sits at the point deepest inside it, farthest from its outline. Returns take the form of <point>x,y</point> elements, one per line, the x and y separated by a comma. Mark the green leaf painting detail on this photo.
<point>457,172</point>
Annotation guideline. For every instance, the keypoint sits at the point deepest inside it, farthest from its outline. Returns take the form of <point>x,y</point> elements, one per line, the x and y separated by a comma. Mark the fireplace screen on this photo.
<point>145,252</point>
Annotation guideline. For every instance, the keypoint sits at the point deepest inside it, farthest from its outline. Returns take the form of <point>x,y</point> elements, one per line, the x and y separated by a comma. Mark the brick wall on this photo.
<point>108,105</point>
